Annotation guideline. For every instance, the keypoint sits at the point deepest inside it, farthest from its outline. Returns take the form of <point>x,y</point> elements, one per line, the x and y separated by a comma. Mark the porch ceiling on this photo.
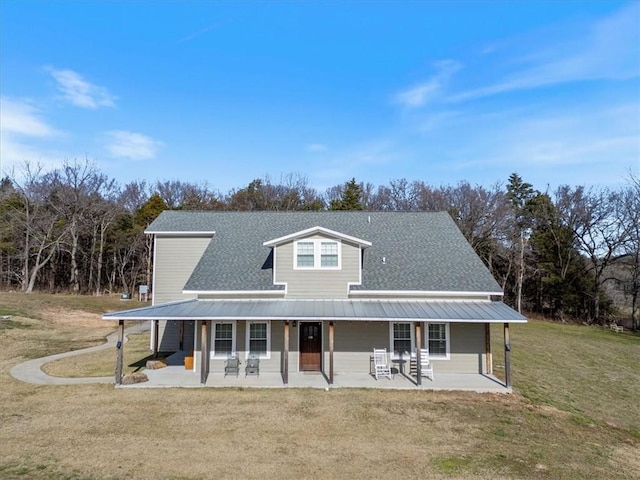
<point>318,309</point>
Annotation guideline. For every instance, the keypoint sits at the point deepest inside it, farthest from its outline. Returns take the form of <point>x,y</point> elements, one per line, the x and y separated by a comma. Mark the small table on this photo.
<point>400,362</point>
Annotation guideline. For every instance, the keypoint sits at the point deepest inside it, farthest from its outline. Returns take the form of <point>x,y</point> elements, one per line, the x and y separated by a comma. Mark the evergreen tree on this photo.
<point>520,194</point>
<point>150,210</point>
<point>351,197</point>
<point>560,279</point>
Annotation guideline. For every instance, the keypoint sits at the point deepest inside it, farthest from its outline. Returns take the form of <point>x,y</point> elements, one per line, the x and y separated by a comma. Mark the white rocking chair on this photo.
<point>381,363</point>
<point>426,369</point>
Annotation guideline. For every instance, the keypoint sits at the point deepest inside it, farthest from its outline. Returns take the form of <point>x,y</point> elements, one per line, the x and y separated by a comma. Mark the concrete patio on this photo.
<point>175,375</point>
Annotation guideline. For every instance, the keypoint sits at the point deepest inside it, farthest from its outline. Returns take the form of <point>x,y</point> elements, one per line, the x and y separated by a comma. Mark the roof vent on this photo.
<point>369,219</point>
<point>384,260</point>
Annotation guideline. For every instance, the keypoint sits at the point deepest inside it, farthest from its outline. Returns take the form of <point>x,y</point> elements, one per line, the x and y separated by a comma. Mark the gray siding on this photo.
<point>353,345</point>
<point>467,350</point>
<point>175,259</point>
<point>317,283</point>
<point>271,365</point>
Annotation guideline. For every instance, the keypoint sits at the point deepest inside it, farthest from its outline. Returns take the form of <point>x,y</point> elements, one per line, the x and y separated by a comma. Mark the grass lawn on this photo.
<point>102,363</point>
<point>575,414</point>
<point>589,372</point>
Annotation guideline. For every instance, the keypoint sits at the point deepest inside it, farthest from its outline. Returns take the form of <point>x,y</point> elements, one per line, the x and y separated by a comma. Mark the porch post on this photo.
<point>204,352</point>
<point>487,344</point>
<point>285,358</point>
<point>418,357</point>
<point>331,353</point>
<point>156,327</point>
<point>507,356</point>
<point>120,348</point>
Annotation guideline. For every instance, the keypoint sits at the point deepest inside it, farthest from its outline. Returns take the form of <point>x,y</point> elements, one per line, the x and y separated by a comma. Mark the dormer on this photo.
<point>317,262</point>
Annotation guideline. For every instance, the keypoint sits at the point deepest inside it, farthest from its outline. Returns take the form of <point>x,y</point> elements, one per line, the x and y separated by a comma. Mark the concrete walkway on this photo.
<point>31,370</point>
<point>175,375</point>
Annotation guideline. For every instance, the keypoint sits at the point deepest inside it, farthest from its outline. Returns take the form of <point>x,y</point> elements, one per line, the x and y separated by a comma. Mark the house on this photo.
<point>318,291</point>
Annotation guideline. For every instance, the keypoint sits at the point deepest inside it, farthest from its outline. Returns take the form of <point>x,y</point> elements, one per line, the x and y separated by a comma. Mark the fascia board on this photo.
<point>422,293</point>
<point>233,292</point>
<point>190,233</point>
<point>317,229</point>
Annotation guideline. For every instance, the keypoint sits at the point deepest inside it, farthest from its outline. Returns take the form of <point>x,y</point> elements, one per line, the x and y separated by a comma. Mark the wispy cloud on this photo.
<point>361,161</point>
<point>576,137</point>
<point>606,49</point>
<point>586,144</point>
<point>202,31</point>
<point>317,147</point>
<point>427,91</point>
<point>131,145</point>
<point>549,138</point>
<point>22,127</point>
<point>23,118</point>
<point>79,92</point>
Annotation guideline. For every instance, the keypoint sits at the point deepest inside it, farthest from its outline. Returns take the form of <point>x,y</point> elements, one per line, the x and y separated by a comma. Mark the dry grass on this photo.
<point>99,432</point>
<point>102,362</point>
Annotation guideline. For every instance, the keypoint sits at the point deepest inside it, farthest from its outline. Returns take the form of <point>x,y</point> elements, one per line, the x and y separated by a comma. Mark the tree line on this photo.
<point>570,253</point>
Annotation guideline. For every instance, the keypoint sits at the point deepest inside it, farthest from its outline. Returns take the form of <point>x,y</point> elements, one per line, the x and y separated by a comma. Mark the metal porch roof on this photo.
<point>317,310</point>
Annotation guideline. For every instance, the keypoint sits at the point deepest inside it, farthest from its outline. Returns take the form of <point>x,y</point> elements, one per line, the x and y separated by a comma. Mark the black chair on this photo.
<point>253,366</point>
<point>232,365</point>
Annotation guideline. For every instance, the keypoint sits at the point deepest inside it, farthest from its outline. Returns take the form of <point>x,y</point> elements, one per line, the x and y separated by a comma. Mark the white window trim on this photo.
<point>447,335</point>
<point>317,264</point>
<point>267,356</point>
<point>213,340</point>
<point>394,356</point>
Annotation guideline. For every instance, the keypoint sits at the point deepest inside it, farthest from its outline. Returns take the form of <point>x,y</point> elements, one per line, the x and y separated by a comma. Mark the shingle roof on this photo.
<point>423,251</point>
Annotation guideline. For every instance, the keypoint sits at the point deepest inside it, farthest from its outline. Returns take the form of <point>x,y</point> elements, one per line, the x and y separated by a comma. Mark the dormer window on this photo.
<point>317,254</point>
<point>306,256</point>
<point>328,254</point>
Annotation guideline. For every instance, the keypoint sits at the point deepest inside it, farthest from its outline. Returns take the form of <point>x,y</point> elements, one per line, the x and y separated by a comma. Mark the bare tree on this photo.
<point>630,216</point>
<point>105,214</point>
<point>594,217</point>
<point>133,195</point>
<point>41,228</point>
<point>77,191</point>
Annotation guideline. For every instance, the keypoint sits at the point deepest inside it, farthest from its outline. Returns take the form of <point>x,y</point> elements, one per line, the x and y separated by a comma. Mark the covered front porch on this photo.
<point>329,315</point>
<point>175,375</point>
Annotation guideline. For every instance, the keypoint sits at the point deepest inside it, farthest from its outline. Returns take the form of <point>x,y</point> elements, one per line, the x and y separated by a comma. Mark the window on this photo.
<point>317,254</point>
<point>258,339</point>
<point>402,342</point>
<point>223,339</point>
<point>305,254</point>
<point>328,254</point>
<point>438,340</point>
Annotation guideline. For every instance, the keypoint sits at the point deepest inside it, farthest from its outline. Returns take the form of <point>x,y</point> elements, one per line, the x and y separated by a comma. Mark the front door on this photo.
<point>311,346</point>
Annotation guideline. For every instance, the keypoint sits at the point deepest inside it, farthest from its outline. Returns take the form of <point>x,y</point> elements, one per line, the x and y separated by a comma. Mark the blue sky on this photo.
<point>223,92</point>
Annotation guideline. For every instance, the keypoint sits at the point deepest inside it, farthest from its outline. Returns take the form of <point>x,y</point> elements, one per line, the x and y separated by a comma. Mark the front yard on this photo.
<point>575,415</point>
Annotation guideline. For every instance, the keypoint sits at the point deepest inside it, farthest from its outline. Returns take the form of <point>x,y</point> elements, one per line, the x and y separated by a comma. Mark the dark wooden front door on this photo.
<point>311,347</point>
